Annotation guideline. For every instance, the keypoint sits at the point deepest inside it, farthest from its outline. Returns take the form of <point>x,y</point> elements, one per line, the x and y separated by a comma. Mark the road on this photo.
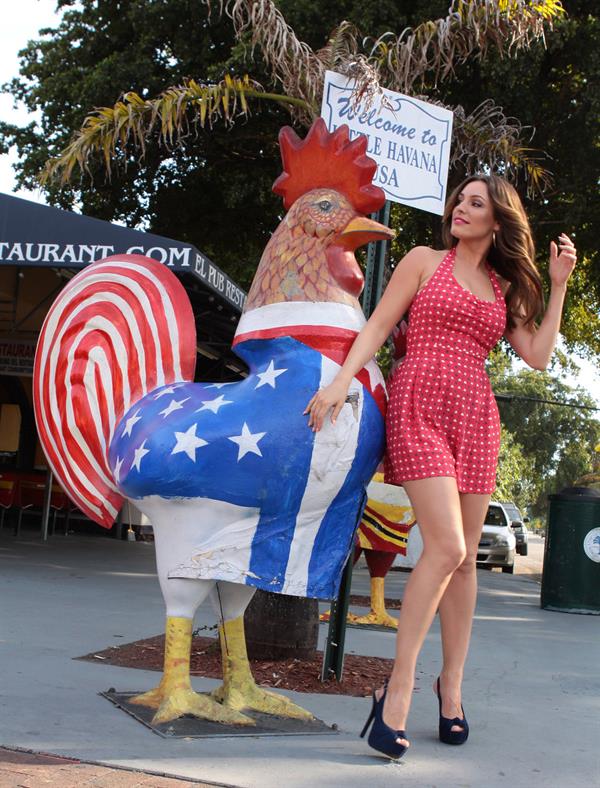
<point>531,564</point>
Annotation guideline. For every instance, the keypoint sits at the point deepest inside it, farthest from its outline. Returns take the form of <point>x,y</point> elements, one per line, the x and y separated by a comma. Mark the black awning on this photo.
<point>38,235</point>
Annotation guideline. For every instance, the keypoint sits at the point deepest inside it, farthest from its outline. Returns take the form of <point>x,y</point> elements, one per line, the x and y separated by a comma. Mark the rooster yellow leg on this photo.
<point>239,690</point>
<point>174,696</point>
<point>378,614</point>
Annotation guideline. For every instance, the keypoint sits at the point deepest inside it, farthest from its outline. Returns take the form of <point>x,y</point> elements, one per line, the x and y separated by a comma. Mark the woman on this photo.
<point>443,430</point>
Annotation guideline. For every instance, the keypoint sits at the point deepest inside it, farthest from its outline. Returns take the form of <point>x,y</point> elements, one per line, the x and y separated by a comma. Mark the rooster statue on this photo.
<point>241,493</point>
<point>382,535</point>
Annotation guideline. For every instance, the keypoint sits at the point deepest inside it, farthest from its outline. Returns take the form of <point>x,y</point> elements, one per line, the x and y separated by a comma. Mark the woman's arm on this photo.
<point>395,301</point>
<point>536,345</point>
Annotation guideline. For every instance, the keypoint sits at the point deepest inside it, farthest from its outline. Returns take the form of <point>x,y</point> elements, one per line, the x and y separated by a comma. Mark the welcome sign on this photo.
<point>408,138</point>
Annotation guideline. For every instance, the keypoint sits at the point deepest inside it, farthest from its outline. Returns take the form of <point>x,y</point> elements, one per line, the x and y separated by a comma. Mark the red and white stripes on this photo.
<point>121,328</point>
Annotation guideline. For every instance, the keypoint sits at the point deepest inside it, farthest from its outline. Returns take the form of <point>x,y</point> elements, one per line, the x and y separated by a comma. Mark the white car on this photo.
<point>497,545</point>
<point>519,526</point>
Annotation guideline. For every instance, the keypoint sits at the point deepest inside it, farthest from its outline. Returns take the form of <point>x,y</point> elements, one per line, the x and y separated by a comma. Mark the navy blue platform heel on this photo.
<point>447,735</point>
<point>383,738</point>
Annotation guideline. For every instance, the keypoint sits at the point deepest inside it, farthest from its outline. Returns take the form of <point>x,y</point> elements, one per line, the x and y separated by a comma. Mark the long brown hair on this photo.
<point>512,253</point>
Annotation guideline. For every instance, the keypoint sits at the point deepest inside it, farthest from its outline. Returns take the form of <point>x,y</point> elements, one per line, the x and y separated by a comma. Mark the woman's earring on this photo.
<point>493,239</point>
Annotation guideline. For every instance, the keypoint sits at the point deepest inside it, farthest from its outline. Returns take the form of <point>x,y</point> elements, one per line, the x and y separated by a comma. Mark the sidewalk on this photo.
<point>532,692</point>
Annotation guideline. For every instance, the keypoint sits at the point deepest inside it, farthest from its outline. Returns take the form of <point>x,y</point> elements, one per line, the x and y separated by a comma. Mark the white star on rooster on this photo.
<point>269,375</point>
<point>220,385</point>
<point>215,404</point>
<point>140,453</point>
<point>248,442</point>
<point>188,442</point>
<point>130,423</point>
<point>173,405</point>
<point>168,390</point>
<point>117,470</point>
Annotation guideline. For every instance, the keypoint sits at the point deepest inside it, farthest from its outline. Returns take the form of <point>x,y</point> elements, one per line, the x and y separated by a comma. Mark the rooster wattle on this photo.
<point>240,492</point>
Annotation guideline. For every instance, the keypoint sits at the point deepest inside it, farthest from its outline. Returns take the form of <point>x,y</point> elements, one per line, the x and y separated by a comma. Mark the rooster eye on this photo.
<point>325,205</point>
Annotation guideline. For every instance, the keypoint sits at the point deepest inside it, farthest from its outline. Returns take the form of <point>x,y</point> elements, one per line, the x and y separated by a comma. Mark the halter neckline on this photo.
<point>451,257</point>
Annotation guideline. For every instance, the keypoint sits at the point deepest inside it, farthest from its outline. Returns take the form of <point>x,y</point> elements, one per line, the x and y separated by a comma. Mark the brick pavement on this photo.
<point>20,769</point>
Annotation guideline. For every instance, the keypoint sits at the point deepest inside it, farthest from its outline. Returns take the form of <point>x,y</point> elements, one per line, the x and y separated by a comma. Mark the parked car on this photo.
<point>498,543</point>
<point>518,524</point>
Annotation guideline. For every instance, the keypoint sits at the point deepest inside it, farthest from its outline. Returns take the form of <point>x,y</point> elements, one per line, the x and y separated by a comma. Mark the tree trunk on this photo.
<point>281,627</point>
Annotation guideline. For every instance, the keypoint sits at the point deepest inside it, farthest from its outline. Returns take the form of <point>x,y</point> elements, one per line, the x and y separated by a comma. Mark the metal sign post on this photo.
<point>376,253</point>
<point>333,655</point>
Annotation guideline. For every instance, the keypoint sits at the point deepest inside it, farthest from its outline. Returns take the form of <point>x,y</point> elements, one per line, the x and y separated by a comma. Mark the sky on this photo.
<point>20,22</point>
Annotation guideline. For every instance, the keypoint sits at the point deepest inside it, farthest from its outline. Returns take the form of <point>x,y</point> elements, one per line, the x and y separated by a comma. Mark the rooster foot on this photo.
<point>180,701</point>
<point>379,619</point>
<point>350,618</point>
<point>250,697</point>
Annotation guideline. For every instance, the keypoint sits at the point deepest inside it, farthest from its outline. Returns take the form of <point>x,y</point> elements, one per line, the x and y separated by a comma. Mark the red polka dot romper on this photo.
<point>442,418</point>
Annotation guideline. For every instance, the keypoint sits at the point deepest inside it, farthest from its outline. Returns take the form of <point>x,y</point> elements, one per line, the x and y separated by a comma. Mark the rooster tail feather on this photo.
<point>121,328</point>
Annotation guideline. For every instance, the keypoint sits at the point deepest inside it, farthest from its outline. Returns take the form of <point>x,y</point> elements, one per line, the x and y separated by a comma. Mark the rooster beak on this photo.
<point>360,231</point>
<point>340,253</point>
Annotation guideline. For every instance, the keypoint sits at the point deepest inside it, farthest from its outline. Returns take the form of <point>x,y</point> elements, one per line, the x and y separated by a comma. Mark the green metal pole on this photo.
<point>376,253</point>
<point>333,656</point>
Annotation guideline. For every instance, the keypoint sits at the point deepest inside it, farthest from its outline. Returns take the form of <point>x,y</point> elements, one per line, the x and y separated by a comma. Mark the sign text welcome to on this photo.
<point>408,138</point>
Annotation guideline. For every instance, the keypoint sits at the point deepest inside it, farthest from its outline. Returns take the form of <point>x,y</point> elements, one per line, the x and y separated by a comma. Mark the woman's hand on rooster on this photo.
<point>332,397</point>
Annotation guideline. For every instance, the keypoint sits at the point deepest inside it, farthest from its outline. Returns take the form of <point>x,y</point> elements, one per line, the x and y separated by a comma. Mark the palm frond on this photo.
<point>110,131</point>
<point>292,62</point>
<point>398,62</point>
<point>431,51</point>
<point>487,139</point>
<point>342,55</point>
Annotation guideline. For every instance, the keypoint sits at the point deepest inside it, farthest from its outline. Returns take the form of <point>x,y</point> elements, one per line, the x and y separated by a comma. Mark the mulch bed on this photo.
<point>361,674</point>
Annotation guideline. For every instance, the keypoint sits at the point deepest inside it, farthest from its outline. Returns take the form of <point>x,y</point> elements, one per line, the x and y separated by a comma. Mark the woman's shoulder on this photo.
<point>425,256</point>
<point>427,260</point>
<point>427,252</point>
<point>420,263</point>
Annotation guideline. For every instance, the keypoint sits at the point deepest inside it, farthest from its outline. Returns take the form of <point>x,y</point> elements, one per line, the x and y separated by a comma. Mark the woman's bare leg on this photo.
<point>436,504</point>
<point>457,607</point>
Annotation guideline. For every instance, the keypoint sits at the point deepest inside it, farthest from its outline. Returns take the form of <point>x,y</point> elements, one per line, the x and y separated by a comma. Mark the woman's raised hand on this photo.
<point>562,260</point>
<point>332,396</point>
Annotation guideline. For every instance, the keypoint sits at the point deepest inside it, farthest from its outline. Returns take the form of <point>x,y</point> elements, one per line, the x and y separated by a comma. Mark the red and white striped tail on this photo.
<point>121,328</point>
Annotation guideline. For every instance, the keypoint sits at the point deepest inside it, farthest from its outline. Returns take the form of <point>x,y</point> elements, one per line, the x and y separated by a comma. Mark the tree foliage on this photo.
<point>516,480</point>
<point>553,426</point>
<point>199,192</point>
<point>212,186</point>
<point>556,91</point>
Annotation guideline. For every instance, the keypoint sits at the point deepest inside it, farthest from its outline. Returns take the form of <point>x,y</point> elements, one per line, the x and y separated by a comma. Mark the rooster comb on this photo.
<point>327,160</point>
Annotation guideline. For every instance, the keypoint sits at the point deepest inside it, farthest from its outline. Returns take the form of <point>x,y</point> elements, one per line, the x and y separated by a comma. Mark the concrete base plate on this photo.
<point>189,727</point>
<point>375,627</point>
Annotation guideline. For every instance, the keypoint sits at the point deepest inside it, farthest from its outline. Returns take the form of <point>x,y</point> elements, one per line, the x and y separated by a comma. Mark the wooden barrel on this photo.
<point>281,627</point>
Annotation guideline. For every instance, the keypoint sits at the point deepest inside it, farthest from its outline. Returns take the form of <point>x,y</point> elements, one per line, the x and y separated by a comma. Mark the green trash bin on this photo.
<point>571,574</point>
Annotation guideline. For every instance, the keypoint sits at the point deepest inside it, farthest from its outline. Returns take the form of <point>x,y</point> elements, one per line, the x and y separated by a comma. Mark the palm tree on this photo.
<point>414,62</point>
